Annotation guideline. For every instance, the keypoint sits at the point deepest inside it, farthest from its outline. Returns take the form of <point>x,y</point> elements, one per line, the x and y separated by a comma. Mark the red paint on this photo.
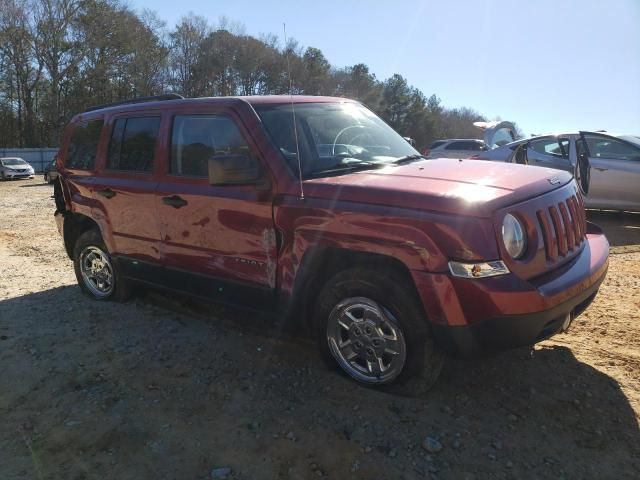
<point>423,214</point>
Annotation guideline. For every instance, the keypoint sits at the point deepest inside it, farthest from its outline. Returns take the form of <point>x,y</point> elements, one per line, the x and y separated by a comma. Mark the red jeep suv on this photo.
<point>315,209</point>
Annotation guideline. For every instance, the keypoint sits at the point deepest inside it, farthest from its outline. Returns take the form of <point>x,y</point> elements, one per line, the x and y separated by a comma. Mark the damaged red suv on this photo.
<point>316,210</point>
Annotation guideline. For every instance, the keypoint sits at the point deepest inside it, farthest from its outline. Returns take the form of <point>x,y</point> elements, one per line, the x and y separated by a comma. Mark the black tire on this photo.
<point>423,362</point>
<point>120,290</point>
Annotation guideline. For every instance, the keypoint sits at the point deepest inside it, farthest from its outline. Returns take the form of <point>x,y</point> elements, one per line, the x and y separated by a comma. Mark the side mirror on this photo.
<point>234,169</point>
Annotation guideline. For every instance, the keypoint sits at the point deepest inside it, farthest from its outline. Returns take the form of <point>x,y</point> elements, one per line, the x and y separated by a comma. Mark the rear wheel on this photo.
<point>96,273</point>
<point>372,327</point>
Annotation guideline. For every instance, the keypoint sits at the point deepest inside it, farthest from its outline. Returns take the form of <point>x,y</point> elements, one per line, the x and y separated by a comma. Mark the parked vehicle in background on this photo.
<point>334,222</point>
<point>50,173</point>
<point>614,173</point>
<point>456,148</point>
<point>495,134</point>
<point>14,167</point>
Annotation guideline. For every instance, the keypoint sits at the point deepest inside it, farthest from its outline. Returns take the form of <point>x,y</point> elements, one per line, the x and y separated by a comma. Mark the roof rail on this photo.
<point>156,98</point>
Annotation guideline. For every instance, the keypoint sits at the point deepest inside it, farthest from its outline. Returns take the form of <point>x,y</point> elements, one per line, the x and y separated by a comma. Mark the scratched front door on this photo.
<point>227,231</point>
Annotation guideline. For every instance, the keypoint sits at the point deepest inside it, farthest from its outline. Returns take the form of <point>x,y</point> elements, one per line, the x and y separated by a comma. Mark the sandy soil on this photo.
<point>165,388</point>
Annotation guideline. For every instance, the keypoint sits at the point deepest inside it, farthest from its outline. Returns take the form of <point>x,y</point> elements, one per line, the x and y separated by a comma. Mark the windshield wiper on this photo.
<point>346,167</point>
<point>407,159</point>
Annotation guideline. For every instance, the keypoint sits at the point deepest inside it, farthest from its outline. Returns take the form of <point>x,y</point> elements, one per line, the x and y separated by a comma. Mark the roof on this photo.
<point>156,102</point>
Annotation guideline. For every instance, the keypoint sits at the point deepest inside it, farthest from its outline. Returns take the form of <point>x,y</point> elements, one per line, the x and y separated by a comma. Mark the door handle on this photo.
<point>107,193</point>
<point>175,201</point>
<point>601,169</point>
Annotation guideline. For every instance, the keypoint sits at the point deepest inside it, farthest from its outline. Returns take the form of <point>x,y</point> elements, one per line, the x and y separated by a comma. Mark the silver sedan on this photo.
<point>14,167</point>
<point>614,160</point>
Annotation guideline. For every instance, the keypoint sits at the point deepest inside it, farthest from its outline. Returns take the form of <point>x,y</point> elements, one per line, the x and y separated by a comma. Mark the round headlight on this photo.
<point>513,236</point>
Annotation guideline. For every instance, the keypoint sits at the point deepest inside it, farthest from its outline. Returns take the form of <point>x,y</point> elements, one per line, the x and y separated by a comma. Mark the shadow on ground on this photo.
<point>622,228</point>
<point>104,390</point>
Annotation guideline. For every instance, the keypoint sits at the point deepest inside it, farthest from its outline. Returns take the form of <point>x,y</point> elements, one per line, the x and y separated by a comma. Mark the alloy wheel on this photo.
<point>97,271</point>
<point>366,340</point>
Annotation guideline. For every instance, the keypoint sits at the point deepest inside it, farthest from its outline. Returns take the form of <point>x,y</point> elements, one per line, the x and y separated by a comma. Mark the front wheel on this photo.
<point>97,275</point>
<point>372,327</point>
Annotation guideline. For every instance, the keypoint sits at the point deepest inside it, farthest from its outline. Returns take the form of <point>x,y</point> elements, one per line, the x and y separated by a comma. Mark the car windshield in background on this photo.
<point>333,138</point>
<point>13,161</point>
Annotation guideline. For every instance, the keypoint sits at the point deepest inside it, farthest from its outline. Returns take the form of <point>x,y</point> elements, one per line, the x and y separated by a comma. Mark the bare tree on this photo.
<point>17,44</point>
<point>185,46</point>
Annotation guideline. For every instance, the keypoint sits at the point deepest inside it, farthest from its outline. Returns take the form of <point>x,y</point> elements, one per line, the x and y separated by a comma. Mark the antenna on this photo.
<point>293,111</point>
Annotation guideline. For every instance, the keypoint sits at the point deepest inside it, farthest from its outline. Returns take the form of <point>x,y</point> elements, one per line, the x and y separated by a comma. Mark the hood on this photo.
<point>18,167</point>
<point>464,187</point>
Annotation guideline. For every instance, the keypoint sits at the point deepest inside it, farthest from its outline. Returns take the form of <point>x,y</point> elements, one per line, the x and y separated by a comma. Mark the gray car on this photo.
<point>50,172</point>
<point>614,173</point>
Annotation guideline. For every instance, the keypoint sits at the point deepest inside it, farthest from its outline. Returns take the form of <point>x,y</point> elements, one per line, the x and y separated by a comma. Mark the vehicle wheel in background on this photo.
<point>372,327</point>
<point>96,273</point>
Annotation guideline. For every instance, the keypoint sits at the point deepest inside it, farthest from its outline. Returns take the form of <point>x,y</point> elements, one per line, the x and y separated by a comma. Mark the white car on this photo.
<point>14,167</point>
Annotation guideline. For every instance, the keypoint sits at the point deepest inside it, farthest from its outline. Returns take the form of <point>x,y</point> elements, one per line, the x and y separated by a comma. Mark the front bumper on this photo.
<point>475,316</point>
<point>12,175</point>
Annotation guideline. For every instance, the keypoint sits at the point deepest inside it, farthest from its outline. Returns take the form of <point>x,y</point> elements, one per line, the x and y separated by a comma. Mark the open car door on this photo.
<point>497,134</point>
<point>615,170</point>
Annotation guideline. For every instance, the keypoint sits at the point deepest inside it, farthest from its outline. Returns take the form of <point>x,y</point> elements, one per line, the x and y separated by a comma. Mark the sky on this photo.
<point>549,65</point>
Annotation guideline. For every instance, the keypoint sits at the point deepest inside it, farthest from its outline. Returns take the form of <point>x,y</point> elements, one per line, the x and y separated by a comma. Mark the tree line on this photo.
<point>58,57</point>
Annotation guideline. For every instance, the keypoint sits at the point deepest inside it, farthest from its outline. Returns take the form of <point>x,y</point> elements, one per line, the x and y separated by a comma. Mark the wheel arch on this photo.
<point>321,263</point>
<point>75,224</point>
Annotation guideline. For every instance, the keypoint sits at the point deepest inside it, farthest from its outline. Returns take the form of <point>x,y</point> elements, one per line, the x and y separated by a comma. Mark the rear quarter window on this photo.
<point>463,145</point>
<point>83,146</point>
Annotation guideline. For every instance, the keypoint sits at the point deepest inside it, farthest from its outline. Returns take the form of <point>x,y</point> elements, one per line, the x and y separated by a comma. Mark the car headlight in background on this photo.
<point>514,236</point>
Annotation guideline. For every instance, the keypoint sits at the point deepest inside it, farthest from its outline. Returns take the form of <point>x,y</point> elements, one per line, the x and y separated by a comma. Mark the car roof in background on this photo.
<point>460,140</point>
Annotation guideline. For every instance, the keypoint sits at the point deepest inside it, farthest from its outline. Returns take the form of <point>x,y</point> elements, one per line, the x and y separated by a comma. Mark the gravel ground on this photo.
<point>166,388</point>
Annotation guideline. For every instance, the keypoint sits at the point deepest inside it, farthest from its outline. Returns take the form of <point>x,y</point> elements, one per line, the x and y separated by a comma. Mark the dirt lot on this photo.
<point>164,388</point>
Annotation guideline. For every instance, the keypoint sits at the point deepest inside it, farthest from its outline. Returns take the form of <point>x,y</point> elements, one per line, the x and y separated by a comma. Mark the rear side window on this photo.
<point>436,144</point>
<point>551,146</point>
<point>83,146</point>
<point>196,138</point>
<point>133,143</point>
<point>463,145</point>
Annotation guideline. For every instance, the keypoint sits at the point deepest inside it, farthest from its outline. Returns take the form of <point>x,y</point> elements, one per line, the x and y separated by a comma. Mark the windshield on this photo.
<point>333,137</point>
<point>13,161</point>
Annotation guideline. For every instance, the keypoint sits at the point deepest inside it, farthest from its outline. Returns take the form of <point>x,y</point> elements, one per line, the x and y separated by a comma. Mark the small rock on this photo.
<point>509,464</point>
<point>432,445</point>
<point>367,449</point>
<point>220,473</point>
<point>291,436</point>
<point>512,417</point>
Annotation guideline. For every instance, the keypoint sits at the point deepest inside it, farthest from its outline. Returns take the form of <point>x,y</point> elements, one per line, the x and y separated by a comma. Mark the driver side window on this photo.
<point>197,138</point>
<point>608,147</point>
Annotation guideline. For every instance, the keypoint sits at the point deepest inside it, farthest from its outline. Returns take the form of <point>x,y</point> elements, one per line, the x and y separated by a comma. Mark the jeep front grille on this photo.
<point>563,226</point>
